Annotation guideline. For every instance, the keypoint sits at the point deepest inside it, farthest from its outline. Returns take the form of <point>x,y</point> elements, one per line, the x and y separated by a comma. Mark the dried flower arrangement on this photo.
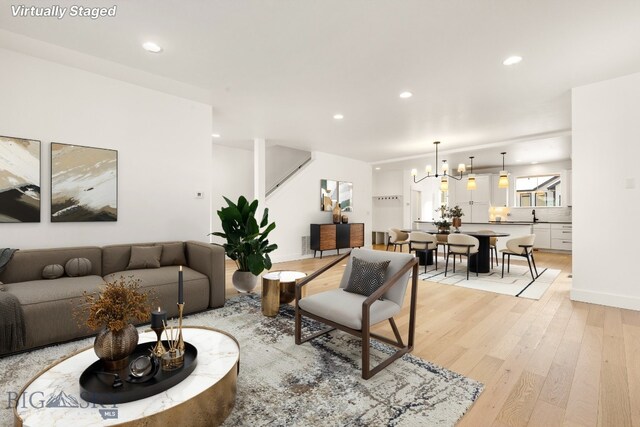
<point>116,306</point>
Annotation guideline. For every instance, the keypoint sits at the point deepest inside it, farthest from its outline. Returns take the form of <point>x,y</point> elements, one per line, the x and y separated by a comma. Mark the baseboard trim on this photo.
<point>602,298</point>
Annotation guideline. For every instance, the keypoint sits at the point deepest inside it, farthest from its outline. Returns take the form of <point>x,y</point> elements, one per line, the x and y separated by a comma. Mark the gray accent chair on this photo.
<point>354,313</point>
<point>523,247</point>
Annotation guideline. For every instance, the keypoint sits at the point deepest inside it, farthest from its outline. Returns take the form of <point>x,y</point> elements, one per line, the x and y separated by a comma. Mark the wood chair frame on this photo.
<point>468,255</point>
<point>365,334</point>
<point>528,254</point>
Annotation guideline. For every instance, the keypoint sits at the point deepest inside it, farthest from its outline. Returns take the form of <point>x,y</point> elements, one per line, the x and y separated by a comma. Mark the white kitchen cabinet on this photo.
<point>561,236</point>
<point>543,236</point>
<point>475,204</point>
<point>498,195</point>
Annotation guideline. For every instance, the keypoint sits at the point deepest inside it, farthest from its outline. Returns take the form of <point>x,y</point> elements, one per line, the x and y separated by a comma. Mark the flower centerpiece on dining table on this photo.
<point>113,309</point>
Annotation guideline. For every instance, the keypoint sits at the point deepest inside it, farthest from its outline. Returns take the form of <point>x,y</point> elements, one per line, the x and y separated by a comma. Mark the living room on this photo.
<point>286,102</point>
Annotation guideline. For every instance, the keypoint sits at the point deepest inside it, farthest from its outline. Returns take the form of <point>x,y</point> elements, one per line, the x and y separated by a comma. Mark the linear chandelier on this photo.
<point>444,181</point>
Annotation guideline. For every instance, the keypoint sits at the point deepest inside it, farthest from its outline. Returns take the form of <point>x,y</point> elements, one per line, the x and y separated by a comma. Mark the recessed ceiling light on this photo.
<point>215,135</point>
<point>405,95</point>
<point>512,60</point>
<point>338,116</point>
<point>518,160</point>
<point>151,47</point>
<point>534,163</point>
<point>378,168</point>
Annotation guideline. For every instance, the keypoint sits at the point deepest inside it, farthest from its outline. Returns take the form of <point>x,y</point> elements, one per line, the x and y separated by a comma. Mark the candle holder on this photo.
<point>159,349</point>
<point>172,360</point>
<point>180,343</point>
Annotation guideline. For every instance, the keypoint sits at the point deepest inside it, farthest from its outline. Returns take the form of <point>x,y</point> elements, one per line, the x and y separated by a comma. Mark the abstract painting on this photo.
<point>84,183</point>
<point>19,180</point>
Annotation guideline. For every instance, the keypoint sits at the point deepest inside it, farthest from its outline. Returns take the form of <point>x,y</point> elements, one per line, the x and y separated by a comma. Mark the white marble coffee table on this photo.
<point>204,398</point>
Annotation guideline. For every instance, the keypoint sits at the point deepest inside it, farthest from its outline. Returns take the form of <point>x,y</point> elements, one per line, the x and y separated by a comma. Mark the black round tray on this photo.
<point>98,388</point>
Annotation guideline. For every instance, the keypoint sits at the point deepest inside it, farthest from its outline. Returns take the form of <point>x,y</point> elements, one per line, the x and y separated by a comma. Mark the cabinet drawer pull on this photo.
<point>564,241</point>
<point>567,232</point>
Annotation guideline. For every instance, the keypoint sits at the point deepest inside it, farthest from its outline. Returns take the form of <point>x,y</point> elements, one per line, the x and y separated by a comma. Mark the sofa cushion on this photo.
<point>115,258</point>
<point>346,308</point>
<point>52,271</point>
<point>164,282</point>
<point>144,257</point>
<point>173,254</point>
<point>27,264</point>
<point>48,307</point>
<point>77,267</point>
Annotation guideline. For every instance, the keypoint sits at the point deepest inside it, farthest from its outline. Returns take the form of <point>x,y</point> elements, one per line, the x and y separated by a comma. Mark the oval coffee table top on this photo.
<point>57,391</point>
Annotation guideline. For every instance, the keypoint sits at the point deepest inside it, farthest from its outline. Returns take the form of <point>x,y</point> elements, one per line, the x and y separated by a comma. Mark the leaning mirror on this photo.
<point>328,194</point>
<point>345,196</point>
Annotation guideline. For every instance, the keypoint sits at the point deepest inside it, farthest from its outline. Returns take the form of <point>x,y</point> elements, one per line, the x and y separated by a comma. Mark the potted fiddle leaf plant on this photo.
<point>246,241</point>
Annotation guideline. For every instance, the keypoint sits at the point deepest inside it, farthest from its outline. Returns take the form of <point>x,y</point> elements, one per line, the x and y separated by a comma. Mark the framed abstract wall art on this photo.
<point>84,183</point>
<point>19,180</point>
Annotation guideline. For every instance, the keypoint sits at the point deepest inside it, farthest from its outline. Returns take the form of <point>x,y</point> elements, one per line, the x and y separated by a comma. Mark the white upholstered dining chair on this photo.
<point>461,244</point>
<point>397,238</point>
<point>421,241</point>
<point>523,247</point>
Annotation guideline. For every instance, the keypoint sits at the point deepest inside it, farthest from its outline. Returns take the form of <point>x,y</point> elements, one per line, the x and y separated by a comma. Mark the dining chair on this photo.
<point>425,242</point>
<point>461,244</point>
<point>523,247</point>
<point>397,238</point>
<point>493,249</point>
<point>355,306</point>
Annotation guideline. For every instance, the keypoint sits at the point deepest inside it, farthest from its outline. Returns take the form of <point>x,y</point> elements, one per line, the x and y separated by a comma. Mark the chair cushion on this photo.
<point>346,308</point>
<point>398,261</point>
<point>144,257</point>
<point>366,277</point>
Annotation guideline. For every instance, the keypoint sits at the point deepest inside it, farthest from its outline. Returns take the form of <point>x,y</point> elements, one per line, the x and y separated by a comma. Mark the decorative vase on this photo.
<point>345,219</point>
<point>336,214</point>
<point>114,348</point>
<point>457,223</point>
<point>244,281</point>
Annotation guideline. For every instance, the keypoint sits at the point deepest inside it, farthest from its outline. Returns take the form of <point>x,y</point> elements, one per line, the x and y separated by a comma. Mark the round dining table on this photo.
<point>481,262</point>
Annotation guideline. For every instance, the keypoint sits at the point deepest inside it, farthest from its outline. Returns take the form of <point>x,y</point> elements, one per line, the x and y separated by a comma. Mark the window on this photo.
<point>542,190</point>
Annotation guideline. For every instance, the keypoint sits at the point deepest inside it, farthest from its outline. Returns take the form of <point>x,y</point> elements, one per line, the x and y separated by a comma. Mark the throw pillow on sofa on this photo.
<point>77,267</point>
<point>144,257</point>
<point>52,271</point>
<point>173,254</point>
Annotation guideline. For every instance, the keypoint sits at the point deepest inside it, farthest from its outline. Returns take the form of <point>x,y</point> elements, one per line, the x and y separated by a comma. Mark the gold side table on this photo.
<point>279,287</point>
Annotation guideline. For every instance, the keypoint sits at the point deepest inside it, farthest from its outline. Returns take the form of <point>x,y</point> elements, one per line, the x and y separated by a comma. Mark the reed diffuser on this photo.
<point>174,357</point>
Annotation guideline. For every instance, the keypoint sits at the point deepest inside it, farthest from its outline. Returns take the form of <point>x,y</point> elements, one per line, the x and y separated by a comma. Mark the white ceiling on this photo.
<point>280,69</point>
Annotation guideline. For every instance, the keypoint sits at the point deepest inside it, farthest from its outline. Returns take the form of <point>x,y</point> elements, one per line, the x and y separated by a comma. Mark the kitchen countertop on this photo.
<point>504,222</point>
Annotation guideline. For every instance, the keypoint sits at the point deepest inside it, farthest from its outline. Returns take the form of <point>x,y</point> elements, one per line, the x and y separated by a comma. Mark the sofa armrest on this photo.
<point>208,259</point>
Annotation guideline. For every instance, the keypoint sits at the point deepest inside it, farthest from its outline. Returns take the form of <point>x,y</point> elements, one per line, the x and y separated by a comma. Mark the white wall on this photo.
<point>296,204</point>
<point>280,162</point>
<point>388,200</point>
<point>606,203</point>
<point>163,143</point>
<point>232,178</point>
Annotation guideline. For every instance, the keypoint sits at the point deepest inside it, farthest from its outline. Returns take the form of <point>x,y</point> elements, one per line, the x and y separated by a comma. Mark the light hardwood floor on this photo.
<point>544,363</point>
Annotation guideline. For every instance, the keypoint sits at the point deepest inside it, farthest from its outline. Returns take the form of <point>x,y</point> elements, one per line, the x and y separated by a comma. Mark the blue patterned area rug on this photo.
<point>317,383</point>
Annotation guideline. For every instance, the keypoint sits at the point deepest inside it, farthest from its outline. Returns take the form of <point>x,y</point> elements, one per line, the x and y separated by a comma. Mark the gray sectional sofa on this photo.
<point>47,305</point>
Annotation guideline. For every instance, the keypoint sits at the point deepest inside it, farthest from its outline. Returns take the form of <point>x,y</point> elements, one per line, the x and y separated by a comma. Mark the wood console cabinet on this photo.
<point>327,237</point>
